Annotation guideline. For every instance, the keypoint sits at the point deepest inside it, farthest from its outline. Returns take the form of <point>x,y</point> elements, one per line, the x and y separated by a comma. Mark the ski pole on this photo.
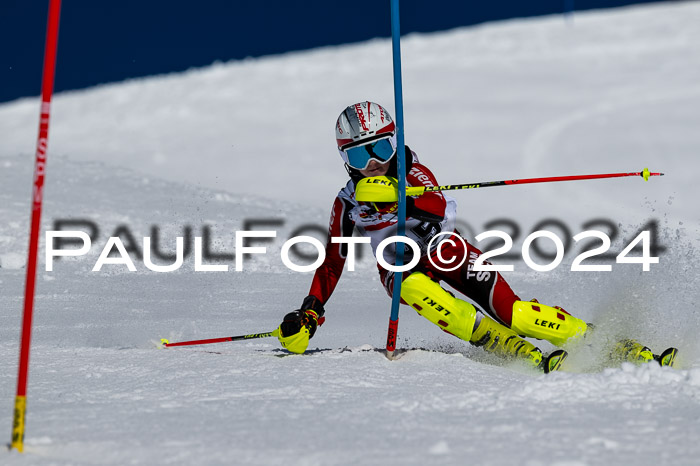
<point>385,189</point>
<point>419,190</point>
<point>167,344</point>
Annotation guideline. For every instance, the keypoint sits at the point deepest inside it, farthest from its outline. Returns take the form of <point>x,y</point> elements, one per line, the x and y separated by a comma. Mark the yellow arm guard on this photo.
<point>377,189</point>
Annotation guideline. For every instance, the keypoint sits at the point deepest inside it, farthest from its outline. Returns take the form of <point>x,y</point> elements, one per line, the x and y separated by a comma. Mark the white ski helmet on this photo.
<point>365,131</point>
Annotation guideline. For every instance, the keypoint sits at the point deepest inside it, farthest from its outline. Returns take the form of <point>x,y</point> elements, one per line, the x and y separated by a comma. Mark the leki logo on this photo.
<point>435,305</point>
<point>545,323</point>
<point>361,117</point>
<point>380,181</point>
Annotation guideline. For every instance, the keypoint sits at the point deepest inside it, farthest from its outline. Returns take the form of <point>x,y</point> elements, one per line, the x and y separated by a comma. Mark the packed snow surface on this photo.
<point>220,147</point>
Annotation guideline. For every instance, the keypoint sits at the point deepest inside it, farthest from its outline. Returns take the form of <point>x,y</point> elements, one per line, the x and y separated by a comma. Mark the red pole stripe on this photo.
<point>199,342</point>
<point>391,335</point>
<point>37,195</point>
<point>575,177</point>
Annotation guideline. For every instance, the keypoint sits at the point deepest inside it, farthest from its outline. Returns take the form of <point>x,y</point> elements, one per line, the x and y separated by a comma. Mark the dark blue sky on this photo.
<point>102,42</point>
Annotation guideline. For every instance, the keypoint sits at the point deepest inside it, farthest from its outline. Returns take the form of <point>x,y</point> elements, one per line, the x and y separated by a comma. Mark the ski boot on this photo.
<point>553,361</point>
<point>629,350</point>
<point>458,317</point>
<point>498,339</point>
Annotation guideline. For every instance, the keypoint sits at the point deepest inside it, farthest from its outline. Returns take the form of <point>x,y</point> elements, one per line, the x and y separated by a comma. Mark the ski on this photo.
<point>554,361</point>
<point>667,358</point>
<point>550,363</point>
<point>628,350</point>
<point>282,353</point>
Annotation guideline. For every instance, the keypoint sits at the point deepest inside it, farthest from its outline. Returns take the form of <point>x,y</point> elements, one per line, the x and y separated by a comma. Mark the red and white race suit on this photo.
<point>429,214</point>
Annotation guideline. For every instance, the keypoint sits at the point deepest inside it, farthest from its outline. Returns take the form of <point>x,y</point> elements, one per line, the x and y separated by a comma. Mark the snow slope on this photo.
<point>610,91</point>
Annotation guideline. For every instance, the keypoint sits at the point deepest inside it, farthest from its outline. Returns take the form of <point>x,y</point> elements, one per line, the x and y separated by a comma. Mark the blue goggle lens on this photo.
<point>359,157</point>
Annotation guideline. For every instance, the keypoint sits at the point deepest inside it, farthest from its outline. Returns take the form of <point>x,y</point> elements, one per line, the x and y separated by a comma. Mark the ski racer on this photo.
<point>366,140</point>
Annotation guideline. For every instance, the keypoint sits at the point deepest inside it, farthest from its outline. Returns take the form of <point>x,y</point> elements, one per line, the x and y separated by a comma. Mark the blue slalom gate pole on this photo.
<point>401,154</point>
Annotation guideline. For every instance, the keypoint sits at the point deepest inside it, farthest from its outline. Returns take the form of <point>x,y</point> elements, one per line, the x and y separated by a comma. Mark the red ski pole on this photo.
<point>418,190</point>
<point>167,344</point>
<point>386,189</point>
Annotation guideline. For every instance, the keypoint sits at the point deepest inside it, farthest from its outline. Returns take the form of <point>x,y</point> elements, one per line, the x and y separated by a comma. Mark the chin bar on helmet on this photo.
<point>386,189</point>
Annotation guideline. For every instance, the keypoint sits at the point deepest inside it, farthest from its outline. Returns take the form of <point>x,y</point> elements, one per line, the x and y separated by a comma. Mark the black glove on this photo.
<point>310,315</point>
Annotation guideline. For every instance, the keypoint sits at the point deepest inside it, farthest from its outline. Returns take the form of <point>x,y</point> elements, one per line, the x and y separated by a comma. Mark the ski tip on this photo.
<point>554,361</point>
<point>667,358</point>
<point>164,343</point>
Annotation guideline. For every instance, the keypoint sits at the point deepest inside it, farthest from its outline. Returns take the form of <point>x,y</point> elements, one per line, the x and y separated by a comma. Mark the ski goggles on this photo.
<point>358,157</point>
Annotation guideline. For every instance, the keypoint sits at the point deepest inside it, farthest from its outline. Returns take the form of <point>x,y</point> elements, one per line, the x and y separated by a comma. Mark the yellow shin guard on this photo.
<point>536,320</point>
<point>431,301</point>
<point>499,339</point>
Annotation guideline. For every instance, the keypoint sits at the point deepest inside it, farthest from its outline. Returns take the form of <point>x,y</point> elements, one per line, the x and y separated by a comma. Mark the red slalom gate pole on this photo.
<point>18,423</point>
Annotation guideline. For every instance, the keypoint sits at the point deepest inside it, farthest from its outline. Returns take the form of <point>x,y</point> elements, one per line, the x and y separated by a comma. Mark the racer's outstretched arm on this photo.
<point>300,325</point>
